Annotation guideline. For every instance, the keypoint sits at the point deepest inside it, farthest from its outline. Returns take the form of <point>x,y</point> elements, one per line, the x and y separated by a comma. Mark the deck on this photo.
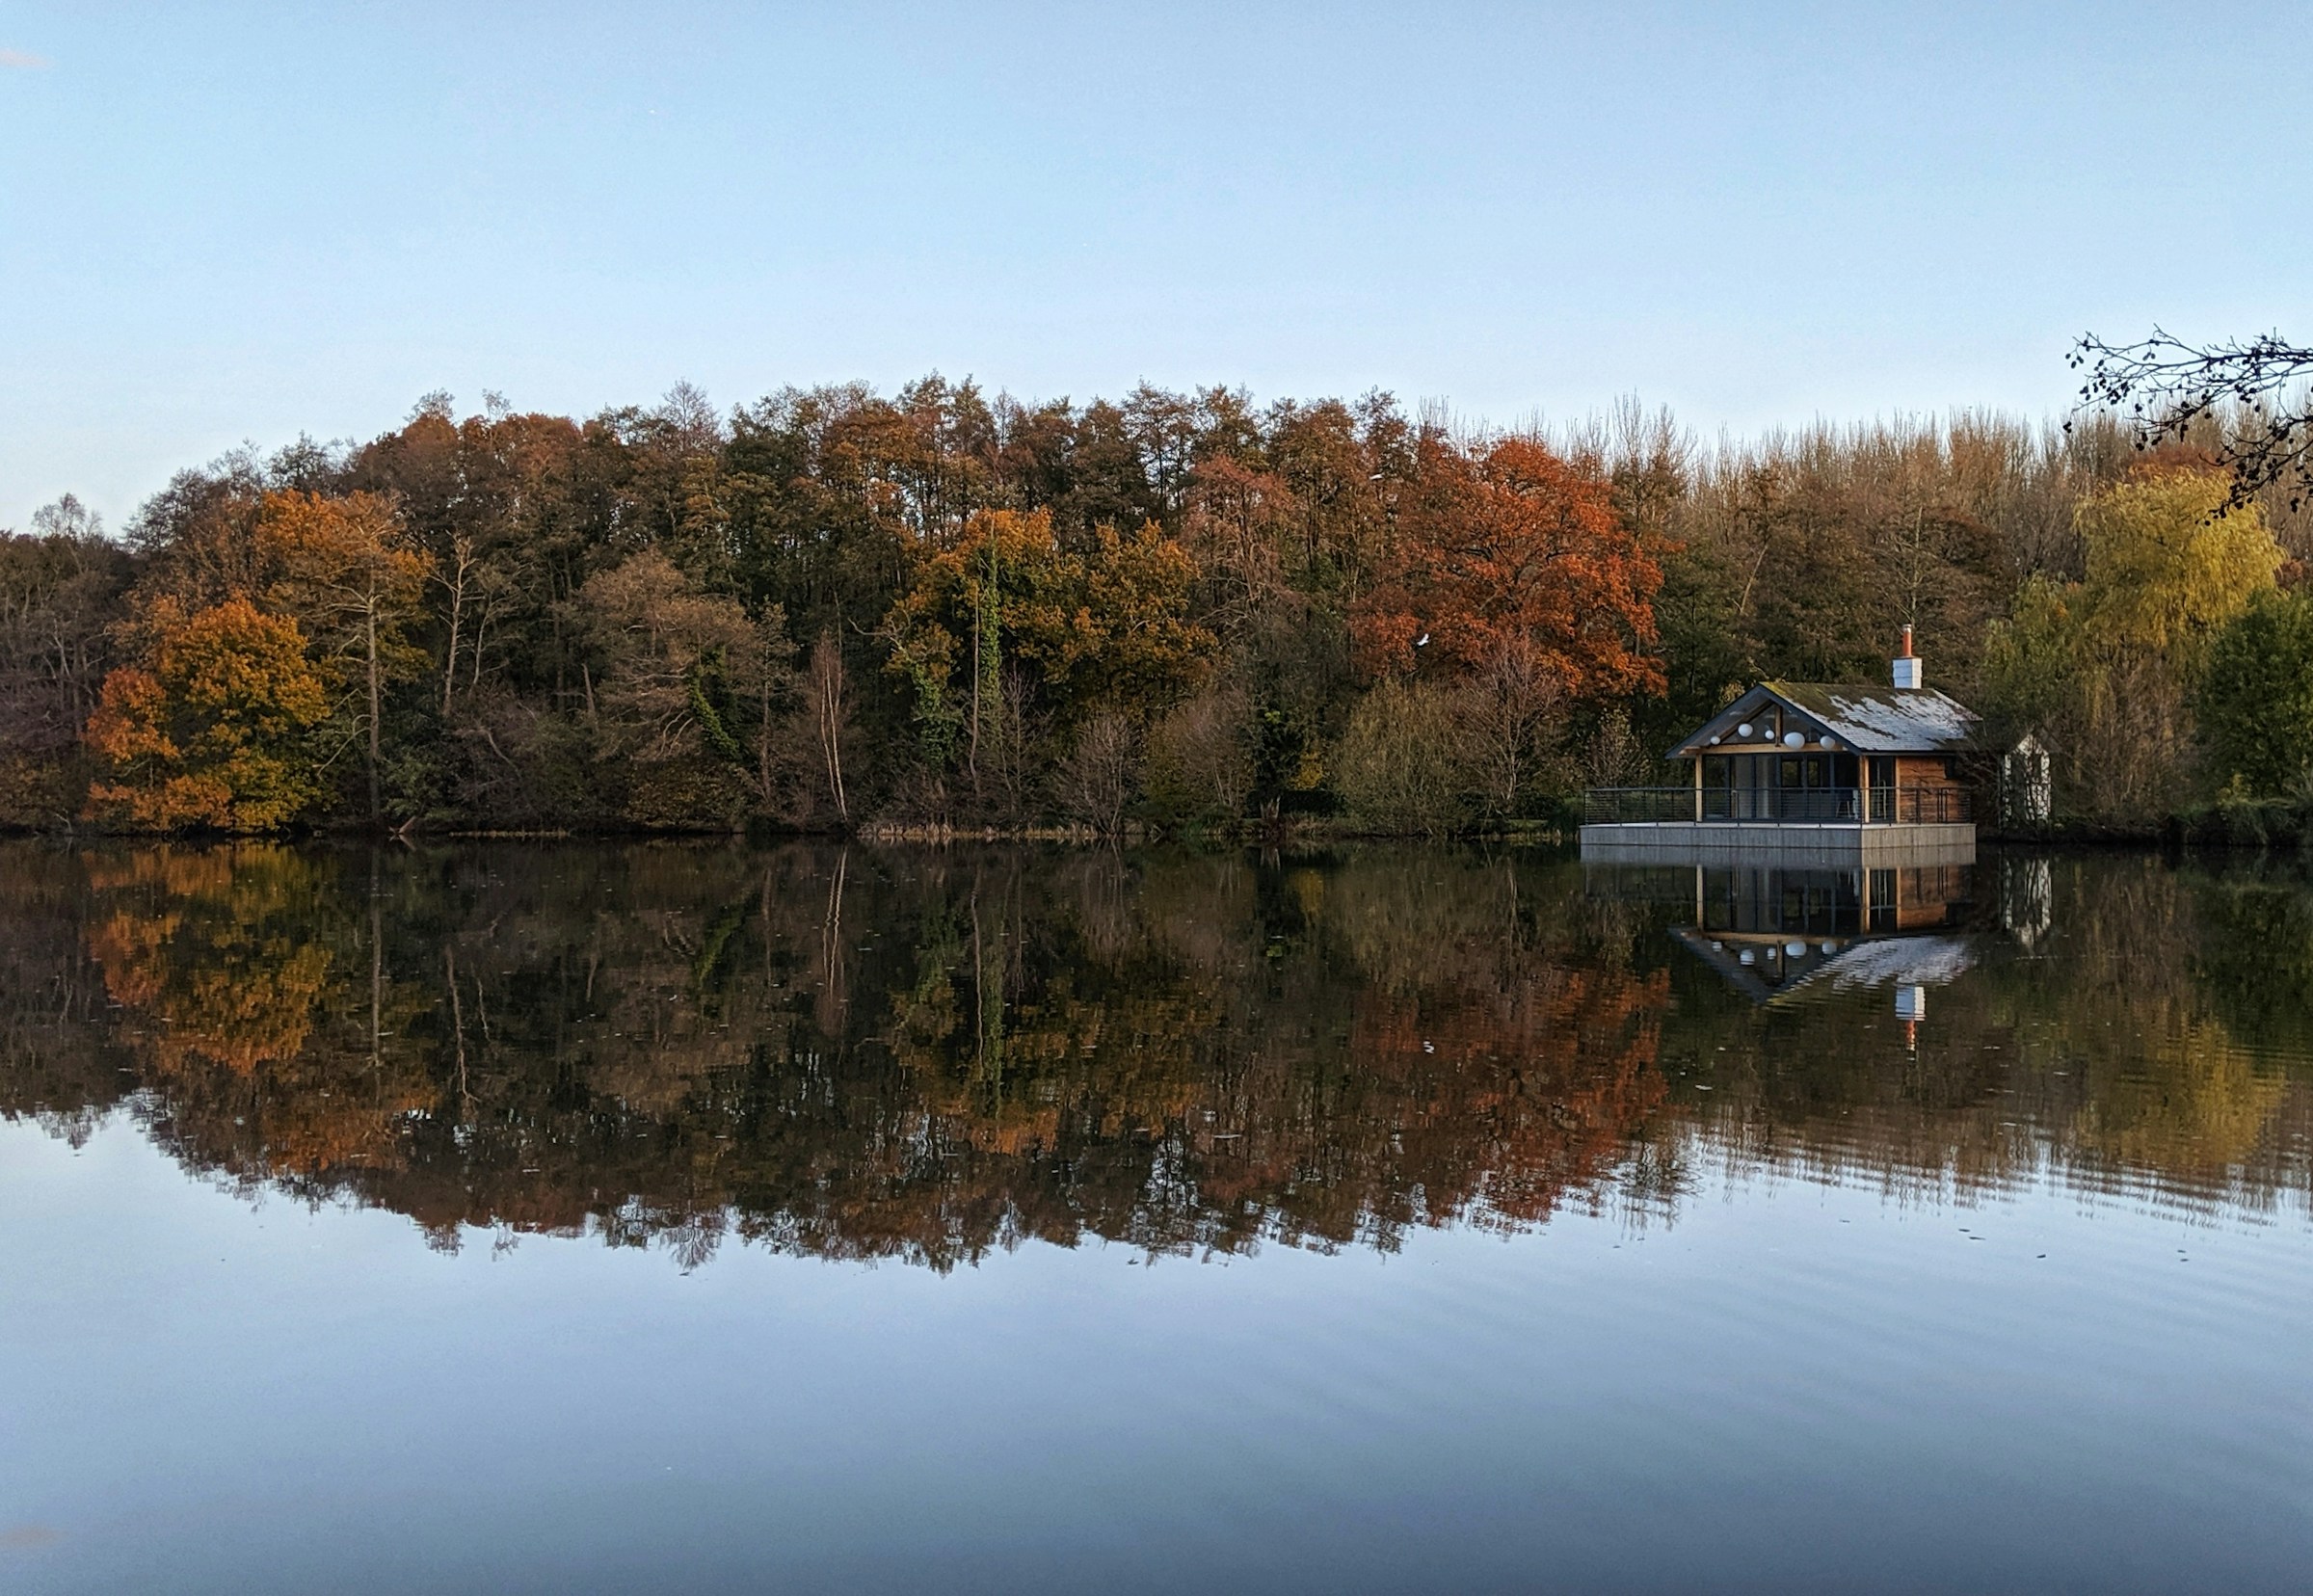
<point>1838,827</point>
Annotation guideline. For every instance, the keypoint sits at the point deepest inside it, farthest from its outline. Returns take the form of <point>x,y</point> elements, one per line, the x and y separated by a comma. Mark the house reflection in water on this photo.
<point>1772,932</point>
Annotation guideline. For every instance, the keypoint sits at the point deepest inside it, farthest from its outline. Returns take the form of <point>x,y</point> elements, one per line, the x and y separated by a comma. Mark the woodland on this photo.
<point>938,612</point>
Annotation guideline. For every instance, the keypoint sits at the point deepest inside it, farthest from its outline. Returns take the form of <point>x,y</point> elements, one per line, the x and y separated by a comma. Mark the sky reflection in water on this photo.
<point>462,1219</point>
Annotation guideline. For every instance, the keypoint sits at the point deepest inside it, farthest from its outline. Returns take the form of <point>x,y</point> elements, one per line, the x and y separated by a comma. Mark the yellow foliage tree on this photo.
<point>2168,564</point>
<point>2103,668</point>
<point>1106,630</point>
<point>212,727</point>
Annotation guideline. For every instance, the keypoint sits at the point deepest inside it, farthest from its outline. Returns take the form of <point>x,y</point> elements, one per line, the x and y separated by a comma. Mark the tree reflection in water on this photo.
<point>927,1055</point>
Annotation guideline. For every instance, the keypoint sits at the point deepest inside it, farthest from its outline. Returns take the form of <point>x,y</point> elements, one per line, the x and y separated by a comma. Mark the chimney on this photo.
<point>1907,664</point>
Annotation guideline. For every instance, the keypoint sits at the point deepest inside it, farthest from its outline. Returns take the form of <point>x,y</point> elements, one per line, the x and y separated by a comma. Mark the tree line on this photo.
<point>834,607</point>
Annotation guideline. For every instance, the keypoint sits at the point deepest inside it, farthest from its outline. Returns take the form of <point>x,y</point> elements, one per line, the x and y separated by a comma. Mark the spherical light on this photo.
<point>1744,730</point>
<point>1794,950</point>
<point>1828,740</point>
<point>1793,739</point>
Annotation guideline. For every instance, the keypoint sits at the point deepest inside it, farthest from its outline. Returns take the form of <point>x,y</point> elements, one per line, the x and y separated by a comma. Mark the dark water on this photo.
<point>518,1218</point>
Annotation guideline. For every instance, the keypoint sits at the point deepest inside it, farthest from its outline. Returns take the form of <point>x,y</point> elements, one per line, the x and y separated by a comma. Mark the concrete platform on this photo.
<point>1832,844</point>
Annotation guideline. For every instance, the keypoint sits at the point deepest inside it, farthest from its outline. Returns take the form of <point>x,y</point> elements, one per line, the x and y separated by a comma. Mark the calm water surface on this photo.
<point>696,1218</point>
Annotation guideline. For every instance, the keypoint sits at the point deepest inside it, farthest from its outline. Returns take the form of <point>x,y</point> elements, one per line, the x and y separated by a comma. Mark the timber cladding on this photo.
<point>1914,770</point>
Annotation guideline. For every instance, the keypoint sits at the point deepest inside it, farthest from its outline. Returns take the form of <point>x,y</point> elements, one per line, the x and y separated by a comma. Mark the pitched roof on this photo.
<point>1866,719</point>
<point>1858,963</point>
<point>1885,720</point>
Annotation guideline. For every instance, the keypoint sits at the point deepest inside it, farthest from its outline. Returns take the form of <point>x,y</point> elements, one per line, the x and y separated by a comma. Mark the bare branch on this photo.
<point>2256,394</point>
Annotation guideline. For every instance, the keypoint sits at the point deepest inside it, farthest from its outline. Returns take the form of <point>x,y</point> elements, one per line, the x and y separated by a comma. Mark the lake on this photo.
<point>578,1217</point>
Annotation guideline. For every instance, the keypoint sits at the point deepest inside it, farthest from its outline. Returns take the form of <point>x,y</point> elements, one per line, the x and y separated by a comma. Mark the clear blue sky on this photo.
<point>221,223</point>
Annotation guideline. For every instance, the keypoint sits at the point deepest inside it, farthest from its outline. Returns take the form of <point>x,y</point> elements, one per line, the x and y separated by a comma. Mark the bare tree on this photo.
<point>2258,392</point>
<point>59,591</point>
<point>1200,754</point>
<point>1614,757</point>
<point>455,572</point>
<point>829,691</point>
<point>1095,783</point>
<point>1509,716</point>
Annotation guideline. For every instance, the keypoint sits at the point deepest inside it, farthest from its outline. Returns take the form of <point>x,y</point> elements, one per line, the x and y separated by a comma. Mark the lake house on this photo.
<point>1824,770</point>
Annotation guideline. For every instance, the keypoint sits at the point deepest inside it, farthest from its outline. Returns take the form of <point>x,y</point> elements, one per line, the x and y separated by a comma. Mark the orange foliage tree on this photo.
<point>234,972</point>
<point>202,950</point>
<point>348,570</point>
<point>211,727</point>
<point>1514,553</point>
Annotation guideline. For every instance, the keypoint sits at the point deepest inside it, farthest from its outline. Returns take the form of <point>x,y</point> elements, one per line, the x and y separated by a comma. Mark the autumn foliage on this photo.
<point>1513,552</point>
<point>1106,626</point>
<point>836,607</point>
<point>211,728</point>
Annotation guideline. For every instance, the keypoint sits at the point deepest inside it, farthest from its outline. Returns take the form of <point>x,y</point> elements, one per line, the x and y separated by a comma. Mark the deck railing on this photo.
<point>1922,806</point>
<point>1626,806</point>
<point>1884,806</point>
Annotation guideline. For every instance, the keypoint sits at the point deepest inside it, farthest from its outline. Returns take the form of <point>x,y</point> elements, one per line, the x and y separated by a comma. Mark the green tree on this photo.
<point>2256,698</point>
<point>1401,766</point>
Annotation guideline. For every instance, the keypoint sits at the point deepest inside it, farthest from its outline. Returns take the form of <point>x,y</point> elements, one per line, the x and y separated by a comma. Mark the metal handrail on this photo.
<point>1923,806</point>
<point>1611,806</point>
<point>1874,806</point>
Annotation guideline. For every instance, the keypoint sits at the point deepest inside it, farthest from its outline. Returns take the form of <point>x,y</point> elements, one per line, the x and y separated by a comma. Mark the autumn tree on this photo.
<point>350,577</point>
<point>1513,584</point>
<point>213,726</point>
<point>1511,547</point>
<point>494,499</point>
<point>1034,630</point>
<point>1570,599</point>
<point>2104,669</point>
<point>1242,525</point>
<point>2168,564</point>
